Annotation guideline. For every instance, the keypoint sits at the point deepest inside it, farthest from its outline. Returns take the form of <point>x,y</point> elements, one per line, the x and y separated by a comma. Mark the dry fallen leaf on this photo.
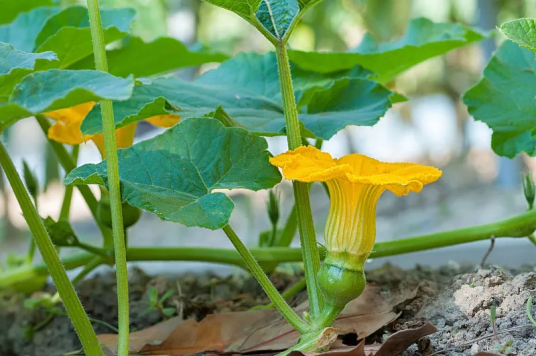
<point>400,341</point>
<point>257,330</point>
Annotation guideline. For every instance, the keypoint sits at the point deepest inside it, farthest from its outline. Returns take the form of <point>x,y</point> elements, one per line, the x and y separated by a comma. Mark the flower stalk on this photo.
<point>311,257</point>
<point>52,261</point>
<point>110,145</point>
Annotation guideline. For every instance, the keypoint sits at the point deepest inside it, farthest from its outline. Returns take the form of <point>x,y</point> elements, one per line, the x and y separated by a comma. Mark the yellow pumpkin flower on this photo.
<point>69,120</point>
<point>355,184</point>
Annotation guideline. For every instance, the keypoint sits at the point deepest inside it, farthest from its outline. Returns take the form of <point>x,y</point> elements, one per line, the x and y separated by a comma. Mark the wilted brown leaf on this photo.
<point>257,330</point>
<point>400,341</point>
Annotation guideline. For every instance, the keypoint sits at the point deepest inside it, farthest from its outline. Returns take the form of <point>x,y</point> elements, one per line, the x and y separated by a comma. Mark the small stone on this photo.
<point>475,349</point>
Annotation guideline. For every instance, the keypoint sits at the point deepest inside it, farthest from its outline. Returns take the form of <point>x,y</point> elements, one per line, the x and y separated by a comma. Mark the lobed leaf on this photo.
<point>504,100</point>
<point>247,89</point>
<point>522,32</point>
<point>45,91</point>
<point>174,175</point>
<point>65,32</point>
<point>15,64</point>
<point>277,15</point>
<point>143,59</point>
<point>12,8</point>
<point>424,39</point>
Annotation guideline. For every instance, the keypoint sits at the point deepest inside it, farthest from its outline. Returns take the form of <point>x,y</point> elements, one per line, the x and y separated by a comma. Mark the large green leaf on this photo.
<point>143,59</point>
<point>522,32</point>
<point>243,8</point>
<point>173,175</point>
<point>54,89</point>
<point>68,34</point>
<point>247,88</point>
<point>22,32</point>
<point>15,64</point>
<point>65,32</point>
<point>424,39</point>
<point>12,8</point>
<point>504,100</point>
<point>277,15</point>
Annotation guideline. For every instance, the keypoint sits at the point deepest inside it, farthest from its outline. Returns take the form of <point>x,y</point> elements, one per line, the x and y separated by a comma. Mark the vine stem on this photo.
<point>288,313</point>
<point>112,165</point>
<point>48,252</point>
<point>311,257</point>
<point>68,195</point>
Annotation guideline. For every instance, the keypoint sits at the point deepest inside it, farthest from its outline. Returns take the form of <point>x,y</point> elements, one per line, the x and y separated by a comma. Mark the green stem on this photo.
<point>519,226</point>
<point>92,249</point>
<point>50,257</point>
<point>112,165</point>
<point>255,269</point>
<point>311,258</point>
<point>68,195</point>
<point>290,292</point>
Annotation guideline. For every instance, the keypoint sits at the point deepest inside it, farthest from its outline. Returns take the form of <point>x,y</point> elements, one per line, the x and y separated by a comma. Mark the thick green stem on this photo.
<point>68,195</point>
<point>518,226</point>
<point>311,258</point>
<point>290,292</point>
<point>50,257</point>
<point>112,165</point>
<point>532,239</point>
<point>255,269</point>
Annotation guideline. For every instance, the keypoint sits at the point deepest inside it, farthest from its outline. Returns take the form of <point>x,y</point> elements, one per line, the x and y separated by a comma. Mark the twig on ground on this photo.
<point>483,263</point>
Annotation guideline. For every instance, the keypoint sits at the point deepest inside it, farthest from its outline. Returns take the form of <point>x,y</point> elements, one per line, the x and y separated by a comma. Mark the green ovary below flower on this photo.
<point>355,184</point>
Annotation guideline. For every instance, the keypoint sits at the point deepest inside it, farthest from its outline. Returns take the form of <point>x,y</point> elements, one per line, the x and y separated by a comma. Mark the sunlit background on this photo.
<point>433,128</point>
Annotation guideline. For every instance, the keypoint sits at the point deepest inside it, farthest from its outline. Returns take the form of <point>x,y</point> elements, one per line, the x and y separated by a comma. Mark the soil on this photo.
<point>457,299</point>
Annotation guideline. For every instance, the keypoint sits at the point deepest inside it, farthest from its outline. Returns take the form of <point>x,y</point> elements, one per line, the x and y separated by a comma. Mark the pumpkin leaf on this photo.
<point>277,15</point>
<point>522,32</point>
<point>504,100</point>
<point>173,175</point>
<point>143,59</point>
<point>12,8</point>
<point>243,8</point>
<point>22,32</point>
<point>67,33</point>
<point>247,88</point>
<point>15,65</point>
<point>424,39</point>
<point>45,91</point>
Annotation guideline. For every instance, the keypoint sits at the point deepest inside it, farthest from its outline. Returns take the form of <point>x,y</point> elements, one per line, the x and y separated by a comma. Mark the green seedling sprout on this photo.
<point>155,303</point>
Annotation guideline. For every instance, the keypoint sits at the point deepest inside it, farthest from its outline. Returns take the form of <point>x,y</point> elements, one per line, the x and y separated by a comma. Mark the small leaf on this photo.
<point>153,295</point>
<point>277,15</point>
<point>12,8</point>
<point>143,59</point>
<point>424,39</point>
<point>247,89</point>
<point>30,180</point>
<point>173,175</point>
<point>504,100</point>
<point>169,311</point>
<point>166,295</point>
<point>522,32</point>
<point>15,65</point>
<point>61,233</point>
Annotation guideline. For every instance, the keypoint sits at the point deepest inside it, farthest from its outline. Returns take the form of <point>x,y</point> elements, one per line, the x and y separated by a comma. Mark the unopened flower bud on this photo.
<point>529,189</point>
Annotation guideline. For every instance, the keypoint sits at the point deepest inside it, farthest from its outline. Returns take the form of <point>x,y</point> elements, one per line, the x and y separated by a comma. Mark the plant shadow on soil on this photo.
<point>456,299</point>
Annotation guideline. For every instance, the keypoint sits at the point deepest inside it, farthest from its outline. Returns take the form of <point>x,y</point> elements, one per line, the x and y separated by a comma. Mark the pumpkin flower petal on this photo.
<point>164,120</point>
<point>68,121</point>
<point>123,136</point>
